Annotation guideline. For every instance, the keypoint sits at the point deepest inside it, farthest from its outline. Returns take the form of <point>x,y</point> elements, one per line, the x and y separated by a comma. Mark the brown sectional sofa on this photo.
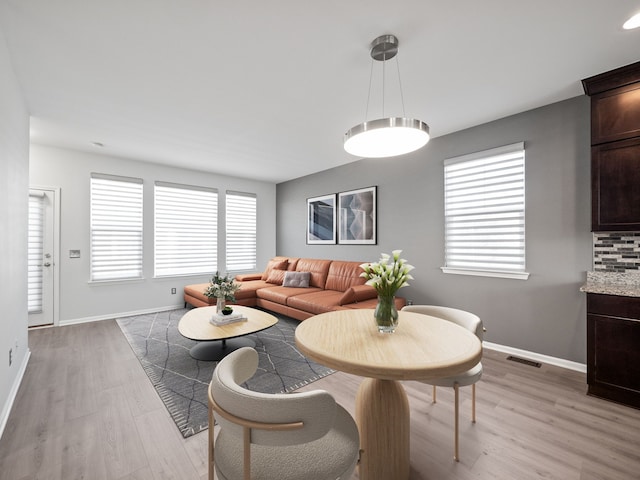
<point>333,285</point>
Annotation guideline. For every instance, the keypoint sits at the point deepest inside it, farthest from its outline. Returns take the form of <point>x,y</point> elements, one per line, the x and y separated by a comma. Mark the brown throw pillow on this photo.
<point>276,277</point>
<point>358,293</point>
<point>274,265</point>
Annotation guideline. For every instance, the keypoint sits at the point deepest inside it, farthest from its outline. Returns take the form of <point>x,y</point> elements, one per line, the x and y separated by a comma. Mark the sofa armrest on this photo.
<point>358,293</point>
<point>245,277</point>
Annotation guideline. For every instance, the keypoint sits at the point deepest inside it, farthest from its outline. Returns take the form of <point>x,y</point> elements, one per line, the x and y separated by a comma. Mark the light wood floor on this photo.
<point>85,410</point>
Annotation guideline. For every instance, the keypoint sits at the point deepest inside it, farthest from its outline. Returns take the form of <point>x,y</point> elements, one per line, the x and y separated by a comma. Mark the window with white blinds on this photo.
<point>116,228</point>
<point>484,213</point>
<point>241,231</point>
<point>186,230</point>
<point>35,253</point>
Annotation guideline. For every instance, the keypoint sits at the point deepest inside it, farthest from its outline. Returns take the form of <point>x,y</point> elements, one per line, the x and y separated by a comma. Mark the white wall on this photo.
<point>14,171</point>
<point>545,314</point>
<point>70,170</point>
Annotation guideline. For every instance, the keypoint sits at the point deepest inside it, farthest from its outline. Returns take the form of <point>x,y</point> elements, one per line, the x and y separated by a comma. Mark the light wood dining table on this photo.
<point>423,347</point>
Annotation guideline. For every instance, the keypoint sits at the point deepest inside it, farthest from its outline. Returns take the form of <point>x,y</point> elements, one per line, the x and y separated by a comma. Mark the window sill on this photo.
<point>486,273</point>
<point>116,281</point>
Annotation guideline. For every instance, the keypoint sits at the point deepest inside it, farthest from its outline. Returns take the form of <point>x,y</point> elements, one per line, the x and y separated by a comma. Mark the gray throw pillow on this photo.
<point>296,279</point>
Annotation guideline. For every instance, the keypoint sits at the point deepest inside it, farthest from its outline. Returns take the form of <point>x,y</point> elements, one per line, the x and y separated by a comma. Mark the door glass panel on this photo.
<point>35,253</point>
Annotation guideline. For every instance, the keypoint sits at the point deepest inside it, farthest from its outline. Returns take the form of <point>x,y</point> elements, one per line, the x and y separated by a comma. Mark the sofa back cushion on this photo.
<point>357,293</point>
<point>276,277</point>
<point>343,275</point>
<point>317,268</point>
<point>276,263</point>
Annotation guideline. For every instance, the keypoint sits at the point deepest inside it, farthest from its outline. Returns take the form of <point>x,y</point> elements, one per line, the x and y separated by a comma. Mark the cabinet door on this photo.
<point>615,186</point>
<point>613,363</point>
<point>615,115</point>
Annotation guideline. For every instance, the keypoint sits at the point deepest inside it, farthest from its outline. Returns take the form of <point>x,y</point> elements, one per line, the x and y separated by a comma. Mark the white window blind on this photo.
<point>116,228</point>
<point>35,253</point>
<point>241,231</point>
<point>484,213</point>
<point>186,230</point>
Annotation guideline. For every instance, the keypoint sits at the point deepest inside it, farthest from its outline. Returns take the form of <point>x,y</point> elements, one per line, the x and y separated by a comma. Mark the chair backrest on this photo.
<point>465,319</point>
<point>315,409</point>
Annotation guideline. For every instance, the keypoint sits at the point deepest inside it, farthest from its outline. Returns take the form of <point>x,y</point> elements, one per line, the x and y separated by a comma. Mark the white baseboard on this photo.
<point>111,316</point>
<point>538,357</point>
<point>6,409</point>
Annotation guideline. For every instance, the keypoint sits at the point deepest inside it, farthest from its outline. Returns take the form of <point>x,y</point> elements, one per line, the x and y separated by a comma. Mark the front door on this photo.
<point>41,261</point>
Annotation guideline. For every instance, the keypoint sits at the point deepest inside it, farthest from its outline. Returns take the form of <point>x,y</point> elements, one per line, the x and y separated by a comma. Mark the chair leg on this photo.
<point>247,453</point>
<point>433,395</point>
<point>473,403</point>
<point>211,440</point>
<point>456,390</point>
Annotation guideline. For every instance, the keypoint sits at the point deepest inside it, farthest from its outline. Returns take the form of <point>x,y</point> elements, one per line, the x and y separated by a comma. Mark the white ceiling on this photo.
<point>266,89</point>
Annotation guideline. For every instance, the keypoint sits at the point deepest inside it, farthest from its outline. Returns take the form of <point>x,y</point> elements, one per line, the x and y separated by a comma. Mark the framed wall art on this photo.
<point>321,220</point>
<point>357,217</point>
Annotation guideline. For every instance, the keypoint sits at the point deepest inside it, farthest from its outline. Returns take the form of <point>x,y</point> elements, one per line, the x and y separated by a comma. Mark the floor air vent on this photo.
<point>531,363</point>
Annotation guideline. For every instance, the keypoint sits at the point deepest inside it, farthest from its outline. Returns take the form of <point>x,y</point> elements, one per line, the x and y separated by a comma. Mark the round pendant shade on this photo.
<point>386,137</point>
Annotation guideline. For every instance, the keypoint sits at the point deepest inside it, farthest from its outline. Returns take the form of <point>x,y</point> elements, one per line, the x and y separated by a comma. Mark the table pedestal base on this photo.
<point>216,350</point>
<point>382,415</point>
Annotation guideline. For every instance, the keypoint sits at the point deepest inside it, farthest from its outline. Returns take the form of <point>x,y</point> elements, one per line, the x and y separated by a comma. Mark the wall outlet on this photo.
<point>10,356</point>
<point>173,291</point>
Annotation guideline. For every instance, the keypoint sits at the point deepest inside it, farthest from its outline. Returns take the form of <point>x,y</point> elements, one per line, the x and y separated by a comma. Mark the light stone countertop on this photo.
<point>608,283</point>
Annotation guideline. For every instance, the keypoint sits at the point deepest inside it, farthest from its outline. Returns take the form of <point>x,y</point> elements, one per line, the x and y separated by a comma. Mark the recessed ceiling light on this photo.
<point>97,144</point>
<point>633,22</point>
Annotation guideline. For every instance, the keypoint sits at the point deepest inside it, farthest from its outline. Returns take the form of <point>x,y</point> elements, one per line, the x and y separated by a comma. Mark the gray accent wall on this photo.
<point>545,314</point>
<point>14,195</point>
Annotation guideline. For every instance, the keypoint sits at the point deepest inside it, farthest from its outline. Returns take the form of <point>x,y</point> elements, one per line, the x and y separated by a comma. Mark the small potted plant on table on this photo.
<point>223,289</point>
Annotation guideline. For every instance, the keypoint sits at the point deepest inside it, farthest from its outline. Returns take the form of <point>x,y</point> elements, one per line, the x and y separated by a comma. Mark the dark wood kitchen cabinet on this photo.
<point>615,149</point>
<point>613,348</point>
<point>615,179</point>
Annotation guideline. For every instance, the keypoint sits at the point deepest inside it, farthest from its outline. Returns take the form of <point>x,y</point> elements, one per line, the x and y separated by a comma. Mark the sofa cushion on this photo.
<point>317,268</point>
<point>248,289</point>
<point>274,264</point>
<point>316,302</point>
<point>293,263</point>
<point>280,294</point>
<point>276,277</point>
<point>196,290</point>
<point>343,275</point>
<point>296,279</point>
<point>358,293</point>
<point>245,277</point>
<point>372,303</point>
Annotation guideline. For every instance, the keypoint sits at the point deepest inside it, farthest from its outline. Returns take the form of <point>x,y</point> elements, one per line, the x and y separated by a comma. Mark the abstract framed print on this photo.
<point>357,217</point>
<point>321,220</point>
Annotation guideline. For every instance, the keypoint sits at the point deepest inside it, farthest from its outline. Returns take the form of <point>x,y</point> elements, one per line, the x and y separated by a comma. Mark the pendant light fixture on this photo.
<point>390,136</point>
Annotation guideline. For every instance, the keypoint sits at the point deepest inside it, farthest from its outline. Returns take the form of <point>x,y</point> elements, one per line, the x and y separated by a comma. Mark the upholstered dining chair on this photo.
<point>470,377</point>
<point>267,436</point>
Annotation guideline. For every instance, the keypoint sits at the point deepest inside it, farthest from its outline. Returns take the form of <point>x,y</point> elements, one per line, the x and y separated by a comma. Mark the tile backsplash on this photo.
<point>616,252</point>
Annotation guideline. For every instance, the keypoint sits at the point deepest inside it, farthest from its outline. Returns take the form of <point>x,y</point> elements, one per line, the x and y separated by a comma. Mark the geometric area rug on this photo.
<point>182,382</point>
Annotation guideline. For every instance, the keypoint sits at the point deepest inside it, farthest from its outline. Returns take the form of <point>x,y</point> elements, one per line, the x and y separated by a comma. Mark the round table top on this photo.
<point>423,347</point>
<point>195,323</point>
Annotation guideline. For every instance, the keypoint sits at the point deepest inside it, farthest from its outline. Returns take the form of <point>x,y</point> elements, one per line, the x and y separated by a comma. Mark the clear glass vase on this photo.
<point>386,314</point>
<point>220,304</point>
